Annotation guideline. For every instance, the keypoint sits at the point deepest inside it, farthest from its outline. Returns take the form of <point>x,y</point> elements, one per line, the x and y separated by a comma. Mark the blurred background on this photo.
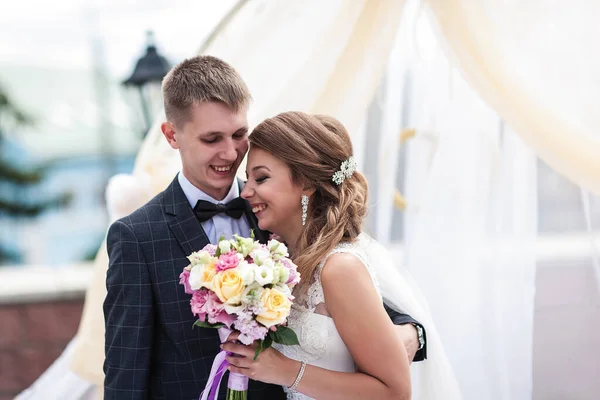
<point>452,169</point>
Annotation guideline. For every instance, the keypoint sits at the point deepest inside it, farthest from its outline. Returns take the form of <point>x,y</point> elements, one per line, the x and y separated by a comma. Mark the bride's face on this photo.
<point>275,199</point>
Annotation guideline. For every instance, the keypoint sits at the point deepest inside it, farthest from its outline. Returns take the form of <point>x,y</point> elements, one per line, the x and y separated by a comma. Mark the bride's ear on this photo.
<point>309,191</point>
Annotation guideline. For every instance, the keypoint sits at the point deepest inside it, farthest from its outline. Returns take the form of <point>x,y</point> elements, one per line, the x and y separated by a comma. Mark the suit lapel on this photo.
<point>181,219</point>
<point>260,235</point>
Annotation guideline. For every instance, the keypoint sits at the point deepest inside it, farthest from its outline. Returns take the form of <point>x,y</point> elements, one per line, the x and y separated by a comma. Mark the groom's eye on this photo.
<point>209,141</point>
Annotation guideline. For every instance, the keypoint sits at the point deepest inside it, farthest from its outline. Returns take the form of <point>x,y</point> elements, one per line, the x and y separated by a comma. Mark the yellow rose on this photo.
<point>276,308</point>
<point>208,273</point>
<point>229,286</point>
<point>202,276</point>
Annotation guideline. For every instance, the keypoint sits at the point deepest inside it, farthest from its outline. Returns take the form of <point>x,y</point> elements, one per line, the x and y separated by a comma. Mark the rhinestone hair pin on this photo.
<point>346,170</point>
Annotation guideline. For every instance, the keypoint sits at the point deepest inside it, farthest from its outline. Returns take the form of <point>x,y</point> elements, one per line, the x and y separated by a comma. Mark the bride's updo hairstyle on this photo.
<point>314,148</point>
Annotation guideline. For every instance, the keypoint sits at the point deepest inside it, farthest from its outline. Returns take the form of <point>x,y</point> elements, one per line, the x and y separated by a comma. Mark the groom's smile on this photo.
<point>225,168</point>
<point>224,171</point>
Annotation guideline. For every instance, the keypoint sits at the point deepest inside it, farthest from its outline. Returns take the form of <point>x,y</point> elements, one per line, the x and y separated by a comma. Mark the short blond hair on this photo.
<point>202,79</point>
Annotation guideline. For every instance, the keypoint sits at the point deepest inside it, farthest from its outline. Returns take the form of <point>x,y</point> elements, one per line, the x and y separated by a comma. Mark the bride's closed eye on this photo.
<point>261,179</point>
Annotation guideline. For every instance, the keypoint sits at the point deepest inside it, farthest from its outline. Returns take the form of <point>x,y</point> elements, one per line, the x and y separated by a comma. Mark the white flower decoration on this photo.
<point>346,170</point>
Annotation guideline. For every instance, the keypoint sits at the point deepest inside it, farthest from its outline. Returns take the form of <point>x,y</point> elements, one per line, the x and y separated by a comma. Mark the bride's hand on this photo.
<point>270,367</point>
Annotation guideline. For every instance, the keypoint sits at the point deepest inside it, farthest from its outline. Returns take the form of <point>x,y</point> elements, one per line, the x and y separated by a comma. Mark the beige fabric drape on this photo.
<point>537,65</point>
<point>331,61</point>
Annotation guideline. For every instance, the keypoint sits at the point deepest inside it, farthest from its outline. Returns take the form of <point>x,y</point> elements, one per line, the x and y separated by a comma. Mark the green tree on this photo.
<point>12,118</point>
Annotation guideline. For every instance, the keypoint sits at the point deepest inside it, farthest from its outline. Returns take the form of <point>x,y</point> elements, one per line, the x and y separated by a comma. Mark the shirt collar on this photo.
<point>193,194</point>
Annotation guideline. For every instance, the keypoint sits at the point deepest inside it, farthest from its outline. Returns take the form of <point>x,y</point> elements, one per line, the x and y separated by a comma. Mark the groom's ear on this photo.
<point>168,129</point>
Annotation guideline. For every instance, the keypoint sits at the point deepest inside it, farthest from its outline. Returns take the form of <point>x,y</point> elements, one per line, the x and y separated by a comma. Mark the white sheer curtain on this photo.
<point>470,227</point>
<point>536,63</point>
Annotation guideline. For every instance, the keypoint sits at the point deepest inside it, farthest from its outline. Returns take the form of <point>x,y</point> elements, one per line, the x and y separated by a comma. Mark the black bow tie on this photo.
<point>205,210</point>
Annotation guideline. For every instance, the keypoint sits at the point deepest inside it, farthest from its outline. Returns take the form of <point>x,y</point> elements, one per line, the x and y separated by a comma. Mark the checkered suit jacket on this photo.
<point>152,351</point>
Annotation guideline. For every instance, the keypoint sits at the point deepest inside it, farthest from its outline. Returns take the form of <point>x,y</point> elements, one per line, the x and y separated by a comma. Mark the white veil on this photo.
<point>433,378</point>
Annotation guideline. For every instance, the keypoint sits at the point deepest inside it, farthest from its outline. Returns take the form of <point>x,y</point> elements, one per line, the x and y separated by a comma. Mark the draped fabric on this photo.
<point>322,57</point>
<point>536,63</point>
<point>470,172</point>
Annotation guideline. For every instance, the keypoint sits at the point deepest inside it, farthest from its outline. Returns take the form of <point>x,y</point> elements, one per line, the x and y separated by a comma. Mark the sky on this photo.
<point>60,33</point>
<point>47,59</point>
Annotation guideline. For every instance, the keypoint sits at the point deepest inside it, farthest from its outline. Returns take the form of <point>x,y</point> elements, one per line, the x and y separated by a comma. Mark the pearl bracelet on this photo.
<point>299,377</point>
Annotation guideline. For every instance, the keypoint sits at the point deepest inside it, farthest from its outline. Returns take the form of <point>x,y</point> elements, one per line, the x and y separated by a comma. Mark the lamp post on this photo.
<point>148,73</point>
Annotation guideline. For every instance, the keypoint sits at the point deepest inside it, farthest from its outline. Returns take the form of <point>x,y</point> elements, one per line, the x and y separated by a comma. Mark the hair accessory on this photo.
<point>346,170</point>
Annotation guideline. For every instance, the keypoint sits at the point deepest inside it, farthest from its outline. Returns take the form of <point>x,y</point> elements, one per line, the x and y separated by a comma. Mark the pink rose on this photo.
<point>215,310</point>
<point>198,303</point>
<point>222,318</point>
<point>227,261</point>
<point>184,279</point>
<point>213,305</point>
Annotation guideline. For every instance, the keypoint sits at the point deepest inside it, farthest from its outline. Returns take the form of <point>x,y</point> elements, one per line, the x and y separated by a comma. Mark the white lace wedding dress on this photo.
<point>321,345</point>
<point>320,342</point>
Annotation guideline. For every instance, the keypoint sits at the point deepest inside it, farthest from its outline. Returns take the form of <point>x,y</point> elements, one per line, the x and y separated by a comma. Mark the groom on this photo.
<point>152,351</point>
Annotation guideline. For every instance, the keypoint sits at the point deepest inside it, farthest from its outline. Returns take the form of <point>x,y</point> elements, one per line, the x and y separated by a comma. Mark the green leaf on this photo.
<point>284,335</point>
<point>204,324</point>
<point>263,345</point>
<point>252,234</point>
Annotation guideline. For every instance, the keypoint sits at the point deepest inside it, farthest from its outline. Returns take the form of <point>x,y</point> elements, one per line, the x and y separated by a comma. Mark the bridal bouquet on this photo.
<point>244,285</point>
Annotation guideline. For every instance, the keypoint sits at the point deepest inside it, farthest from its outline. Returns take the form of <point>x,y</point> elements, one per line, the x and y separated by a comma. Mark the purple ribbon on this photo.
<point>236,381</point>
<point>211,390</point>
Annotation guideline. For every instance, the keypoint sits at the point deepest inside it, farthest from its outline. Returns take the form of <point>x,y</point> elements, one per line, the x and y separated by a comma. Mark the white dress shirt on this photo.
<point>221,224</point>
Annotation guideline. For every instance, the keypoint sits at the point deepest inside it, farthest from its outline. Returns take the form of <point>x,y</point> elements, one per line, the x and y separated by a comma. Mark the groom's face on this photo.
<point>212,143</point>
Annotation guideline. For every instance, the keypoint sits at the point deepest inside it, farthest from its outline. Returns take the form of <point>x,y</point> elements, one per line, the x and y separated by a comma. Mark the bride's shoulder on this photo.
<point>348,265</point>
<point>347,285</point>
<point>343,268</point>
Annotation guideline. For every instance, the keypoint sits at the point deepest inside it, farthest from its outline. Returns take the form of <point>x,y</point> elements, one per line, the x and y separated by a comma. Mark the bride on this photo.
<point>303,186</point>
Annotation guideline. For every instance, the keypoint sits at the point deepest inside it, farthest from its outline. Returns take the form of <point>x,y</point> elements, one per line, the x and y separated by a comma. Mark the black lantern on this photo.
<point>147,77</point>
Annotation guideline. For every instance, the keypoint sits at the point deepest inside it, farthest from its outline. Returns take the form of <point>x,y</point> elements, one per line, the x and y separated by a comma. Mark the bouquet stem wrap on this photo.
<point>237,386</point>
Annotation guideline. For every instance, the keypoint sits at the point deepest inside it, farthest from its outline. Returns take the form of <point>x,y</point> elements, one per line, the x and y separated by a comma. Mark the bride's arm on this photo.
<point>367,331</point>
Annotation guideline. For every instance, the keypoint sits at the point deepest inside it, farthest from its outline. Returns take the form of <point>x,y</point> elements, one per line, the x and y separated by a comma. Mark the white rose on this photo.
<point>260,255</point>
<point>201,276</point>
<point>246,271</point>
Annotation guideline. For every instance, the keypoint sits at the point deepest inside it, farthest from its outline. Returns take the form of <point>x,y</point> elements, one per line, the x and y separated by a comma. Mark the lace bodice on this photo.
<point>320,342</point>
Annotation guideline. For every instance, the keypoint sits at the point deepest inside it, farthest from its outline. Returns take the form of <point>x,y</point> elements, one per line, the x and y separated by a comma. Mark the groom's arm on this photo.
<point>128,317</point>
<point>409,333</point>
